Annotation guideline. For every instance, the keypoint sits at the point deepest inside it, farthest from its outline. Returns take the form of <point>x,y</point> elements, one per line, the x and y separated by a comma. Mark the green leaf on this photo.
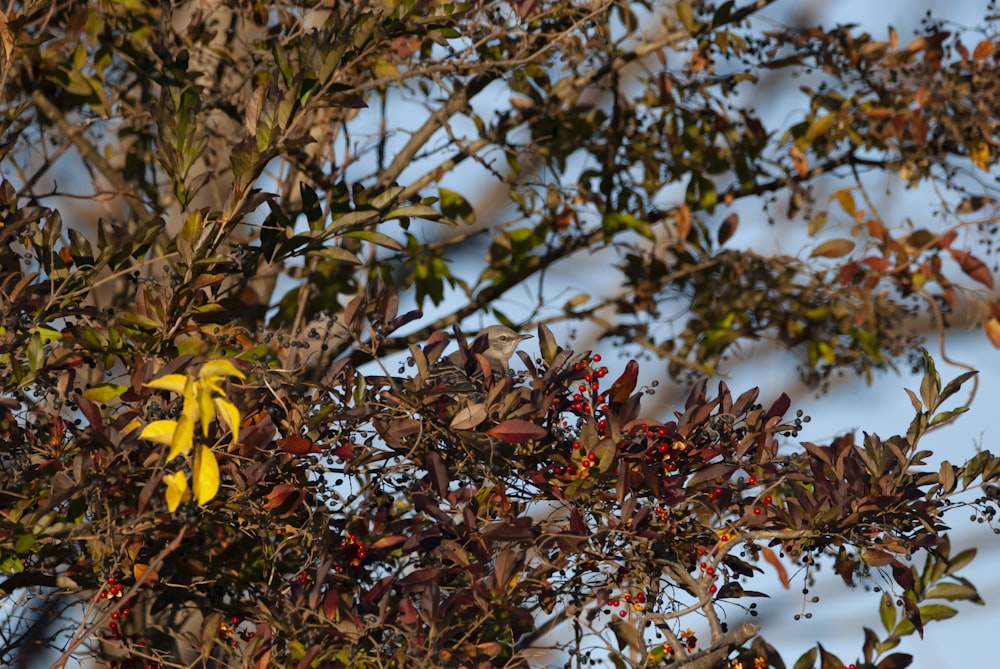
<point>961,560</point>
<point>387,198</point>
<point>414,211</point>
<point>955,384</point>
<point>807,660</point>
<point>377,238</point>
<point>887,612</point>
<point>708,197</point>
<point>456,207</point>
<point>336,253</point>
<point>953,592</point>
<point>24,542</point>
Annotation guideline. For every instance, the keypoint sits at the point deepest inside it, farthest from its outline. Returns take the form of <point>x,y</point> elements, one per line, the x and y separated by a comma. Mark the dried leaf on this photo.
<point>773,560</point>
<point>728,228</point>
<point>973,266</point>
<point>683,225</point>
<point>833,248</point>
<point>516,431</point>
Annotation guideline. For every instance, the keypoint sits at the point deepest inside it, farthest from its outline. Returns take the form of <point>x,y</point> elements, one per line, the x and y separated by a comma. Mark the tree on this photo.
<point>212,458</point>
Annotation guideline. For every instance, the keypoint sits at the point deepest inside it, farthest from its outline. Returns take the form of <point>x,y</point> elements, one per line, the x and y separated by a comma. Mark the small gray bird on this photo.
<point>497,344</point>
<point>453,374</point>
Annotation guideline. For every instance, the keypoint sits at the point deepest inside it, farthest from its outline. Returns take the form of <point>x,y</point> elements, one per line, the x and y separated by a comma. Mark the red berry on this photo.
<point>597,357</point>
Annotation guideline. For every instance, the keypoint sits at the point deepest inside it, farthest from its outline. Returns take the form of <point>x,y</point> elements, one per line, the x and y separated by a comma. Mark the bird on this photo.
<point>496,343</point>
<point>461,372</point>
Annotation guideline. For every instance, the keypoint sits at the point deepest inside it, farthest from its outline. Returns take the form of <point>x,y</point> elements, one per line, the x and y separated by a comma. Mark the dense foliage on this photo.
<point>226,441</point>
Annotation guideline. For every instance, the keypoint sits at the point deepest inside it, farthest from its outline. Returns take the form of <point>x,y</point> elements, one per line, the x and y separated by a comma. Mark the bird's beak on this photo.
<point>525,336</point>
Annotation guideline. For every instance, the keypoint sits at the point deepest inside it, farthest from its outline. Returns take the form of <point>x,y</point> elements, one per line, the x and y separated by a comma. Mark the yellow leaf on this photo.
<point>102,392</point>
<point>134,424</point>
<point>183,438</point>
<point>176,487</point>
<point>172,382</point>
<point>980,154</point>
<point>190,401</point>
<point>205,408</point>
<point>229,414</point>
<point>206,474</point>
<point>993,331</point>
<point>160,431</point>
<point>846,200</point>
<point>220,368</point>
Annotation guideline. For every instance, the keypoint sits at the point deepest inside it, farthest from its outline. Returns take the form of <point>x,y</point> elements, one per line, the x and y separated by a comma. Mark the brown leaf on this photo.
<point>799,161</point>
<point>773,560</point>
<point>833,248</point>
<point>683,225</point>
<point>973,266</point>
<point>469,417</point>
<point>564,218</point>
<point>728,228</point>
<point>624,385</point>
<point>983,50</point>
<point>388,542</point>
<point>517,430</point>
<point>438,472</point>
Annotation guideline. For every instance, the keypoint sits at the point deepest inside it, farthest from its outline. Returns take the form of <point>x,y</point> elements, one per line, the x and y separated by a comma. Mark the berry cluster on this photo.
<point>115,590</point>
<point>354,550</point>
<point>627,601</point>
<point>229,630</point>
<point>588,397</point>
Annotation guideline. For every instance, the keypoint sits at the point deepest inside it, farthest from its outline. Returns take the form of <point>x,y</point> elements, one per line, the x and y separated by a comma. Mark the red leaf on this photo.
<point>780,406</point>
<point>973,266</point>
<point>298,445</point>
<point>516,431</point>
<point>877,263</point>
<point>902,575</point>
<point>407,612</point>
<point>283,498</point>
<point>624,384</point>
<point>330,603</point>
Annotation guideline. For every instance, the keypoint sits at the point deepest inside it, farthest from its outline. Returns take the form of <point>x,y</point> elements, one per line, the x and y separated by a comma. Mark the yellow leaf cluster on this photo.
<point>204,401</point>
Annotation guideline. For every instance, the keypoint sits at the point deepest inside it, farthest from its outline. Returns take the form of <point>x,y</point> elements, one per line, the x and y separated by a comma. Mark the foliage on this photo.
<point>208,458</point>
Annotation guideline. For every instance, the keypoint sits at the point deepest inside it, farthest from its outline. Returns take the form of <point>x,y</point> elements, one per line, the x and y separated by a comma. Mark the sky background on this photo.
<point>883,407</point>
<point>970,638</point>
